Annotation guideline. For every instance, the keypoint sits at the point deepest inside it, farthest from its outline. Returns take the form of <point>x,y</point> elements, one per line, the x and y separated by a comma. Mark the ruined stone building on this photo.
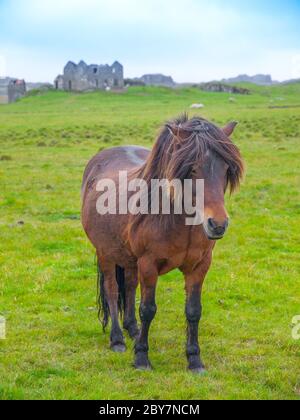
<point>11,90</point>
<point>83,77</point>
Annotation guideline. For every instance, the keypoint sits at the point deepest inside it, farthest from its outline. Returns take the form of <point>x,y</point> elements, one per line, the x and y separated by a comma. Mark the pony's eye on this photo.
<point>193,173</point>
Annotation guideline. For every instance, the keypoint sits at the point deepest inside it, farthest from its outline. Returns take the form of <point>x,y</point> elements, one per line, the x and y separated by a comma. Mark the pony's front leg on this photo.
<point>148,279</point>
<point>193,310</point>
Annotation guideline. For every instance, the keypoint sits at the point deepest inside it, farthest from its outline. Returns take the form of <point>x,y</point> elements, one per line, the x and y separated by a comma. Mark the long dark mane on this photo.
<point>182,144</point>
<point>173,157</point>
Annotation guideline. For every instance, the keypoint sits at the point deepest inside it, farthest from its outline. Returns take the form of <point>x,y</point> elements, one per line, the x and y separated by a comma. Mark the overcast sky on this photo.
<point>192,40</point>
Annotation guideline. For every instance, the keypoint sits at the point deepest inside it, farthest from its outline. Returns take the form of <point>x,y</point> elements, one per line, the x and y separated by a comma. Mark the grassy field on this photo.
<point>55,347</point>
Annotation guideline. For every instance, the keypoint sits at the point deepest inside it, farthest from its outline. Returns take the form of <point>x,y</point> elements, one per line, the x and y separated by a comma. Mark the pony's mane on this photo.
<point>173,157</point>
<point>182,144</point>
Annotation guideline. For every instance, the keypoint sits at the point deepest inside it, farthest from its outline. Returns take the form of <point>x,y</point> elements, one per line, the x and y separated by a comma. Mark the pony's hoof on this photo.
<point>143,368</point>
<point>201,371</point>
<point>142,362</point>
<point>118,348</point>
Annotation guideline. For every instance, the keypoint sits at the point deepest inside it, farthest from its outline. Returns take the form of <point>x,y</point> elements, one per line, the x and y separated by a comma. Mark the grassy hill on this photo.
<point>55,347</point>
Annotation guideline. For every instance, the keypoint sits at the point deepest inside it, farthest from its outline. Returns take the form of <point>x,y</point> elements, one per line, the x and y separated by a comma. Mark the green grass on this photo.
<point>55,347</point>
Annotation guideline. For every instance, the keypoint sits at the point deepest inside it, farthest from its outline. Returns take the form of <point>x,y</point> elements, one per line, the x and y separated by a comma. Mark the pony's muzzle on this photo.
<point>215,229</point>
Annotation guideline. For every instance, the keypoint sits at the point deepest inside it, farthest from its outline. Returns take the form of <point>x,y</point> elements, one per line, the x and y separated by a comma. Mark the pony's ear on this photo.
<point>229,129</point>
<point>178,132</point>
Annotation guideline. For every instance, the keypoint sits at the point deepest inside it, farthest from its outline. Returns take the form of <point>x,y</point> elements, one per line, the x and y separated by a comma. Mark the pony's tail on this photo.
<point>102,303</point>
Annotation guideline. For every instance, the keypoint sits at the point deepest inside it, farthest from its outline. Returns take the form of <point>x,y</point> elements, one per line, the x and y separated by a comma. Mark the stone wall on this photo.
<point>16,90</point>
<point>11,90</point>
<point>3,96</point>
<point>83,77</point>
<point>3,91</point>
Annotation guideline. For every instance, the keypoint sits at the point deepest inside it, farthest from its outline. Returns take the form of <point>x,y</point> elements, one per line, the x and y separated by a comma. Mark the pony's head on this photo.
<point>195,148</point>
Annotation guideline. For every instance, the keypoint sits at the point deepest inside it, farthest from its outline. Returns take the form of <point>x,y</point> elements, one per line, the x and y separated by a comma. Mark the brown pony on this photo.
<point>138,249</point>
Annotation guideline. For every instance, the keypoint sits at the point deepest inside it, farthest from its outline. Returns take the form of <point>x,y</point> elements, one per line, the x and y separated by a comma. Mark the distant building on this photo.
<point>11,90</point>
<point>83,77</point>
<point>158,80</point>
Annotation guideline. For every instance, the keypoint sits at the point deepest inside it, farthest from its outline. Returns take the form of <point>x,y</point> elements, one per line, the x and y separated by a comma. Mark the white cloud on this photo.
<point>192,40</point>
<point>283,64</point>
<point>58,9</point>
<point>41,65</point>
<point>33,65</point>
<point>197,17</point>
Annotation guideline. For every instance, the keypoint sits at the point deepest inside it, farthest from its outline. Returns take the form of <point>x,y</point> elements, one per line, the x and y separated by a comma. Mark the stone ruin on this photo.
<point>83,77</point>
<point>11,90</point>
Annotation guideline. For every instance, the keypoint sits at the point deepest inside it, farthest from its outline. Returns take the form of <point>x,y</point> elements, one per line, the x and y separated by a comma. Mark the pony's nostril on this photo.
<point>212,224</point>
<point>218,229</point>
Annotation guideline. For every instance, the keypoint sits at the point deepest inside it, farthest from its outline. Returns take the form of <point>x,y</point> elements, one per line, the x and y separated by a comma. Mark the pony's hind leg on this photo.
<point>130,323</point>
<point>110,292</point>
